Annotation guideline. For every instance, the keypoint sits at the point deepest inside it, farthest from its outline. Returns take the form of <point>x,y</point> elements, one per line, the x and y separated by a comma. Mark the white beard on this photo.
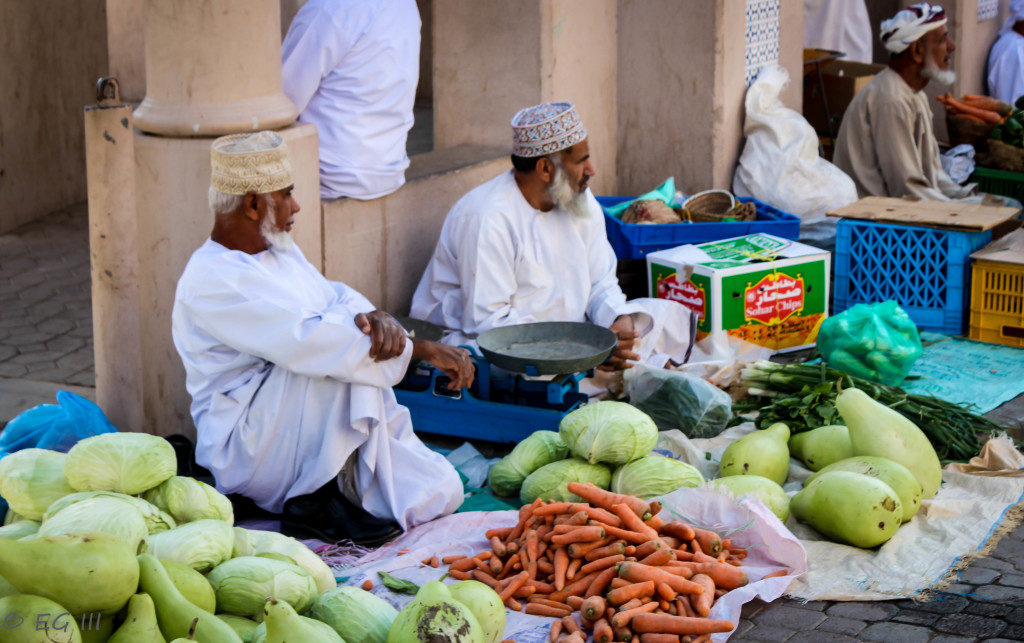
<point>561,192</point>
<point>279,240</point>
<point>931,71</point>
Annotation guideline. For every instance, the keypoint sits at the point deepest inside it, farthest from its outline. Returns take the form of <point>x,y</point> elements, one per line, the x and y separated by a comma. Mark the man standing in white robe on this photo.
<point>530,246</point>
<point>290,374</point>
<point>1006,60</point>
<point>838,25</point>
<point>351,67</point>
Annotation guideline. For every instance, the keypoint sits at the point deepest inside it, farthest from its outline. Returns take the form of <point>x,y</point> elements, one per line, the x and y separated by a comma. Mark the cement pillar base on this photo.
<point>172,118</point>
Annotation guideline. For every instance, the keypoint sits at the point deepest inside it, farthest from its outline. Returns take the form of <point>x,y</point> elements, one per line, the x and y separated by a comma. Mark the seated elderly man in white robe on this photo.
<point>886,143</point>
<point>530,246</point>
<point>1006,59</point>
<point>290,374</point>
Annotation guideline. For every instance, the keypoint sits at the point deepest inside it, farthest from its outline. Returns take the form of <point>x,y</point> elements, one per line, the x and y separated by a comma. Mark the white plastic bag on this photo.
<point>780,164</point>
<point>679,400</point>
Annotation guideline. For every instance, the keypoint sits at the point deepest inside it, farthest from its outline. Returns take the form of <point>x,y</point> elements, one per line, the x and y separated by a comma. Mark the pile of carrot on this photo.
<point>981,109</point>
<point>628,573</point>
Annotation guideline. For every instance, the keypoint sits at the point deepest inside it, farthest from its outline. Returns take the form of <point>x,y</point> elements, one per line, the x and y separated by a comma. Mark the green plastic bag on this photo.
<point>665,192</point>
<point>878,342</point>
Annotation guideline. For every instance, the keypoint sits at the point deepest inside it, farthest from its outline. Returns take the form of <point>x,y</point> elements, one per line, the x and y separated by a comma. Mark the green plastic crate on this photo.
<point>999,182</point>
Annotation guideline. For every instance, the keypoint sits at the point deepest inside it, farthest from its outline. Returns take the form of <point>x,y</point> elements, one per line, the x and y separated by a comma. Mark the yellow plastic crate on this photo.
<point>997,303</point>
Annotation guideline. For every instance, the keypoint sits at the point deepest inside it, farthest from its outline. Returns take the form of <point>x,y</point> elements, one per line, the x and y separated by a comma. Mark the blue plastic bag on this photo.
<point>55,426</point>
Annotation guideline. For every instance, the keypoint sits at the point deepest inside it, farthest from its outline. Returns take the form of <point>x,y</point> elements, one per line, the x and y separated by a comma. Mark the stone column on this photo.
<point>493,58</point>
<point>213,67</point>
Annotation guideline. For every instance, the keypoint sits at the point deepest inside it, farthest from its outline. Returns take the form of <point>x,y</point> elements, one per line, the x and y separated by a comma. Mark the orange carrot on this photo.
<point>666,623</point>
<point>671,541</point>
<point>552,508</point>
<point>627,535</point>
<point>497,546</point>
<point>580,583</point>
<point>402,552</point>
<point>775,574</point>
<point>561,565</point>
<point>622,618</point>
<point>725,576</point>
<point>632,522</point>
<point>603,631</point>
<point>484,577</point>
<point>618,582</point>
<point>517,581</point>
<point>600,581</point>
<point>570,624</point>
<point>588,533</point>
<point>556,629</point>
<point>962,108</point>
<point>971,117</point>
<point>463,565</point>
<point>637,573</point>
<point>514,605</point>
<point>367,584</point>
<point>703,601</point>
<point>575,637</point>
<point>622,634</point>
<point>574,568</point>
<point>537,609</point>
<point>531,545</point>
<point>500,532</point>
<point>606,499</point>
<point>665,591</point>
<point>434,562</point>
<point>658,637</point>
<point>628,605</point>
<point>448,560</point>
<point>635,590</point>
<point>544,566</point>
<point>540,600</point>
<point>680,530</point>
<point>598,514</point>
<point>646,549</point>
<point>659,558</point>
<point>459,575</point>
<point>684,607</point>
<point>579,550</point>
<point>601,563</point>
<point>616,547</point>
<point>710,542</point>
<point>575,602</point>
<point>593,608</point>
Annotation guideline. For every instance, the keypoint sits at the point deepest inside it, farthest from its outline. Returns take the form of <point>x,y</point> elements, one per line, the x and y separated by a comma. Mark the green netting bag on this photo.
<point>878,342</point>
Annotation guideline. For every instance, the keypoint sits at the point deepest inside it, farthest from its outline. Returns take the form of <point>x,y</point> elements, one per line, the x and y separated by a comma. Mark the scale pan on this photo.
<point>547,348</point>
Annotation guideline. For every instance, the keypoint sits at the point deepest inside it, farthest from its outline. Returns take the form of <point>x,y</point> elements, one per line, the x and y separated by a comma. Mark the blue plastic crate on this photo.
<point>635,240</point>
<point>924,269</point>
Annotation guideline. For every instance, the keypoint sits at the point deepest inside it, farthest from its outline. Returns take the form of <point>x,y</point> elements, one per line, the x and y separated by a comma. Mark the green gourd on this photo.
<point>822,446</point>
<point>35,619</point>
<point>98,629</point>
<point>888,471</point>
<point>761,453</point>
<point>174,612</point>
<point>284,625</point>
<point>86,573</point>
<point>140,624</point>
<point>243,627</point>
<point>849,508</point>
<point>875,429</point>
<point>192,585</point>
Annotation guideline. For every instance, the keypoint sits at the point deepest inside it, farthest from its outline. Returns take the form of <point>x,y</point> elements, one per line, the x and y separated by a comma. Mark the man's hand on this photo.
<point>387,337</point>
<point>623,356</point>
<point>453,361</point>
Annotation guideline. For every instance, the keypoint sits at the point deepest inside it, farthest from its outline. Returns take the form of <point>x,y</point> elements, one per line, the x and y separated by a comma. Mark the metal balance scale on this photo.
<point>503,405</point>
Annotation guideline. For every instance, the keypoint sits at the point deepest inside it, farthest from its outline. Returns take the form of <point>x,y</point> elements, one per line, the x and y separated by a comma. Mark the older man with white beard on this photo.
<point>290,374</point>
<point>886,142</point>
<point>530,246</point>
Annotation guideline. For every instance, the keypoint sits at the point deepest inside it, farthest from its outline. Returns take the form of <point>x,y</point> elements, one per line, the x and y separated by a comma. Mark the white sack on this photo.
<point>780,164</point>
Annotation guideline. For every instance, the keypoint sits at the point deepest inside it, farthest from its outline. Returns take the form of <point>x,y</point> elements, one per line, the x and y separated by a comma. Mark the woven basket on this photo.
<point>710,205</point>
<point>1004,156</point>
<point>963,131</point>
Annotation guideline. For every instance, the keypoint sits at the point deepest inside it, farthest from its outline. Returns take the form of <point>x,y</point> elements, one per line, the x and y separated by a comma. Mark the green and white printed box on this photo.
<point>761,288</point>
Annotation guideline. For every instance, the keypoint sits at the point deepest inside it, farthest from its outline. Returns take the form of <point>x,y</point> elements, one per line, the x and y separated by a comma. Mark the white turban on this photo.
<point>907,26</point>
<point>1016,15</point>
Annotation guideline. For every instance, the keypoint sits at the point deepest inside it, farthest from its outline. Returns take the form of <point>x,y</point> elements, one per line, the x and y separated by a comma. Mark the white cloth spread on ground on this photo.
<point>284,390</point>
<point>887,145</point>
<point>351,67</point>
<point>500,262</point>
<point>839,25</point>
<point>1006,67</point>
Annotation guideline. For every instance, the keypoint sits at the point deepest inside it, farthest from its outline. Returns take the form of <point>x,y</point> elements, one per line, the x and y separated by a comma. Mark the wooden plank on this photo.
<point>935,214</point>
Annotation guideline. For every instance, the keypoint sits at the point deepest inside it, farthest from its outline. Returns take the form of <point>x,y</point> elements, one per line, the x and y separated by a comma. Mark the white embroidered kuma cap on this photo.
<point>256,162</point>
<point>544,129</point>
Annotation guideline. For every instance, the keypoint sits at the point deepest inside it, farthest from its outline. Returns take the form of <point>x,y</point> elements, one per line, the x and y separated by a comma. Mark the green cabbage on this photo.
<point>654,475</point>
<point>201,545</point>
<point>31,480</point>
<point>188,499</point>
<point>243,584</point>
<point>128,463</point>
<point>107,515</point>
<point>355,614</point>
<point>18,530</point>
<point>253,542</point>
<point>156,520</point>
<point>609,432</point>
<point>538,449</point>
<point>551,481</point>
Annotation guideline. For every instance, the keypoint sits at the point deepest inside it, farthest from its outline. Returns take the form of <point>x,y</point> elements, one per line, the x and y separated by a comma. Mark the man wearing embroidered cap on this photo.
<point>530,246</point>
<point>1006,60</point>
<point>886,142</point>
<point>290,374</point>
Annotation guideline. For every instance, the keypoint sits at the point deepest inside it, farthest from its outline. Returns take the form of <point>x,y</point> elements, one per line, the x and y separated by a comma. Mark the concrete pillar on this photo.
<point>213,67</point>
<point>493,58</point>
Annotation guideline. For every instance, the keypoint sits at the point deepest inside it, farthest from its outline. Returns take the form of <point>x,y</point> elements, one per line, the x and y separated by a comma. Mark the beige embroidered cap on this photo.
<point>545,129</point>
<point>244,163</point>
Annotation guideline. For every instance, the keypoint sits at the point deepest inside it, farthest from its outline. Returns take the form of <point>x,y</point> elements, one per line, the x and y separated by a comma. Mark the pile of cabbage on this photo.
<point>124,484</point>
<point>606,443</point>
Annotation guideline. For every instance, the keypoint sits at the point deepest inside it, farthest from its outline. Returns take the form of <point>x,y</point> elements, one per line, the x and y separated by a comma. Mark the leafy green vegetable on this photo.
<point>397,584</point>
<point>538,449</point>
<point>678,400</point>
<point>609,432</point>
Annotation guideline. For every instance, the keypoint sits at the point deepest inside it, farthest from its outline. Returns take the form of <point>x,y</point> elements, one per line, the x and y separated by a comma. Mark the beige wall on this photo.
<point>51,53</point>
<point>126,48</point>
<point>382,247</point>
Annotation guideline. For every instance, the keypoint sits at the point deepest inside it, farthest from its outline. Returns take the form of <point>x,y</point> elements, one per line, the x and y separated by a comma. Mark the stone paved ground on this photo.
<point>46,334</point>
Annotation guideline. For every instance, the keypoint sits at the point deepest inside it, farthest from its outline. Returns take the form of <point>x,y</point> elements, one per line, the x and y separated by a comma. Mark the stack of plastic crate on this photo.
<point>997,292</point>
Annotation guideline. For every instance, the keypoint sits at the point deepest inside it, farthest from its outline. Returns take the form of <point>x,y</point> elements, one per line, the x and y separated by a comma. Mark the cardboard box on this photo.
<point>841,80</point>
<point>764,289</point>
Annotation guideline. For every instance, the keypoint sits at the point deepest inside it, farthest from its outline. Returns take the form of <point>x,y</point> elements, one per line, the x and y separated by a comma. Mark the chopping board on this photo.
<point>935,214</point>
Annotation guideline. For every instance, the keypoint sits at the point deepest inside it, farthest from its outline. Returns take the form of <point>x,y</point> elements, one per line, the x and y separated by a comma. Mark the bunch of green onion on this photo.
<point>803,396</point>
